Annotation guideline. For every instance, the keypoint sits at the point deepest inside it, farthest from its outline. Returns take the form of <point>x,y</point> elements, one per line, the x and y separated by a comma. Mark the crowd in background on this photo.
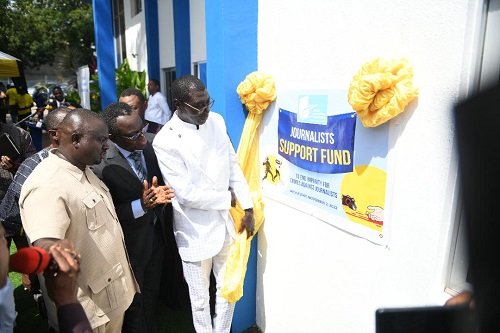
<point>126,206</point>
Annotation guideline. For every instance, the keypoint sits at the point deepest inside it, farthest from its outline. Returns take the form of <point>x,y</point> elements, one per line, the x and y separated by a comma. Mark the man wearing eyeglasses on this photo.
<point>198,160</point>
<point>157,112</point>
<point>130,170</point>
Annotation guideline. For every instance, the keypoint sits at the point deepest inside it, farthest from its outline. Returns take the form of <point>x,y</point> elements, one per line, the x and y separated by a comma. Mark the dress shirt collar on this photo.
<point>124,152</point>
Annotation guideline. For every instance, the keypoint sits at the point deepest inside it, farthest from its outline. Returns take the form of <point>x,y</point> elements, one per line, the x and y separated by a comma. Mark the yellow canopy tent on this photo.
<point>9,66</point>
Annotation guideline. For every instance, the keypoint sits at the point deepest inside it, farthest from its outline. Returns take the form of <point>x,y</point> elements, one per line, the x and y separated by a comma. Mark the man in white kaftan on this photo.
<point>198,161</point>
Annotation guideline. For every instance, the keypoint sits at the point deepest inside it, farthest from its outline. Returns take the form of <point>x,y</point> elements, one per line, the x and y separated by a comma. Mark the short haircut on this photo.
<point>79,119</point>
<point>133,92</point>
<point>55,117</point>
<point>113,111</point>
<point>56,88</point>
<point>156,82</point>
<point>182,87</point>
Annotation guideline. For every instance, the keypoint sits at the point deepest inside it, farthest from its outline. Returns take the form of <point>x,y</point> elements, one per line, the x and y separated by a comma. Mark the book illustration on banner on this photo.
<point>363,196</point>
<point>8,147</point>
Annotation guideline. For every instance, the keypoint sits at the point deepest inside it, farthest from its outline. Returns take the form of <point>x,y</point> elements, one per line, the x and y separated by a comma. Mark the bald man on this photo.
<point>78,207</point>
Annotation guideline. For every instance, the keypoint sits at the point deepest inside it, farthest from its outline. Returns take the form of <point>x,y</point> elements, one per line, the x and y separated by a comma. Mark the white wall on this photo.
<point>197,30</point>
<point>135,34</point>
<point>135,39</point>
<point>166,34</point>
<point>311,276</point>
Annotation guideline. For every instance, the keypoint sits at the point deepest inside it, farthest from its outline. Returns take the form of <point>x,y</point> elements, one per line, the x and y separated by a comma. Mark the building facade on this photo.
<point>306,274</point>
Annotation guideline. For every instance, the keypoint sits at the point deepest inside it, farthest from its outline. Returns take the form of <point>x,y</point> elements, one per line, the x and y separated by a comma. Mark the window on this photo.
<point>488,73</point>
<point>169,75</point>
<point>119,31</point>
<point>200,71</point>
<point>136,7</point>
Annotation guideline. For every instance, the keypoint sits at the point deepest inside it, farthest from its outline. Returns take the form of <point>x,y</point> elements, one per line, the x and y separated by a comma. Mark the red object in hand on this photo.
<point>29,260</point>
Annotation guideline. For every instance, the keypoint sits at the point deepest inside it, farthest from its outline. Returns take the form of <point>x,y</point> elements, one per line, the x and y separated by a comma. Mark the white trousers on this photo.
<point>197,275</point>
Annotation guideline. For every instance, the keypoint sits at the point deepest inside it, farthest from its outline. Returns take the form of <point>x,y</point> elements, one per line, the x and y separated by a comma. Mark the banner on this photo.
<point>318,158</point>
<point>83,77</point>
<point>321,148</point>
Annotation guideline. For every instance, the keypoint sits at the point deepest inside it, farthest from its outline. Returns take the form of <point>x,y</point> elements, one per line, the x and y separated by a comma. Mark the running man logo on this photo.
<point>271,168</point>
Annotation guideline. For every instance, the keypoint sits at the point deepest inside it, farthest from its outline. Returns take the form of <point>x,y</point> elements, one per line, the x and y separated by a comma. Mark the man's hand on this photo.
<point>8,164</point>
<point>164,193</point>
<point>148,197</point>
<point>248,222</point>
<point>233,197</point>
<point>4,257</point>
<point>61,279</point>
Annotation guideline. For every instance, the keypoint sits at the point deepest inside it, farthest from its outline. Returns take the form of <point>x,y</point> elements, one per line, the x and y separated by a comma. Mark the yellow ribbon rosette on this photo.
<point>381,90</point>
<point>256,92</point>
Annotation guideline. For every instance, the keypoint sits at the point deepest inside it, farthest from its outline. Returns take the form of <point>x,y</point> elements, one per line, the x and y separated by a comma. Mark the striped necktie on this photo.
<point>139,168</point>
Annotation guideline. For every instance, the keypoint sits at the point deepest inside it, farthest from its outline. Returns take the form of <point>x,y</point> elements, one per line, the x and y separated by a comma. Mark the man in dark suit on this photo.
<point>58,101</point>
<point>142,201</point>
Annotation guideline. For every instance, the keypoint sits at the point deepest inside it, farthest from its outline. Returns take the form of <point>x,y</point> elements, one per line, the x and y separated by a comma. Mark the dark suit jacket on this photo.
<point>53,104</point>
<point>125,187</point>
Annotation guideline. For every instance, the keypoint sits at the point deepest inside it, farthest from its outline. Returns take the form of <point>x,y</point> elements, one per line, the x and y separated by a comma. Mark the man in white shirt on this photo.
<point>198,161</point>
<point>158,112</point>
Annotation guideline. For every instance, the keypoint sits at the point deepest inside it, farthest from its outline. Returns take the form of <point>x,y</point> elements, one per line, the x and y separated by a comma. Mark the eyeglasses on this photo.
<point>135,136</point>
<point>206,107</point>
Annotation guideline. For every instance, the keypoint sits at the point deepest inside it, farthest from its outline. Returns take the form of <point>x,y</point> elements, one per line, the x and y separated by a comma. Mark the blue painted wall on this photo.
<point>182,38</point>
<point>231,32</point>
<point>105,50</point>
<point>152,39</point>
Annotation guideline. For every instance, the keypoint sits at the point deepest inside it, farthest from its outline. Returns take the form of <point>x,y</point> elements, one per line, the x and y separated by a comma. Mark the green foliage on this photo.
<point>73,97</point>
<point>43,32</point>
<point>95,93</point>
<point>127,78</point>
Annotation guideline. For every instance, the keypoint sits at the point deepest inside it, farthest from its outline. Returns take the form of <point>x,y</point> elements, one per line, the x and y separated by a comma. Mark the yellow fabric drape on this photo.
<point>381,90</point>
<point>256,92</point>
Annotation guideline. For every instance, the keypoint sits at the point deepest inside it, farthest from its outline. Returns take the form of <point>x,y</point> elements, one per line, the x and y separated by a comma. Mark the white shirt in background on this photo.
<point>158,110</point>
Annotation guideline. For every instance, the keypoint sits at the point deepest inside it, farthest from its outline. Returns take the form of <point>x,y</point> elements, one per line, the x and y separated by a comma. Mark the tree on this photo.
<point>50,32</point>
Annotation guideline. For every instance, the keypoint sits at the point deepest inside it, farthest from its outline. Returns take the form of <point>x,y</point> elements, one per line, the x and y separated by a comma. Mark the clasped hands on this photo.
<point>155,195</point>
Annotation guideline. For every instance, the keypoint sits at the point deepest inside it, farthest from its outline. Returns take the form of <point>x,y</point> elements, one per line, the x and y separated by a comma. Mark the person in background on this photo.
<point>130,170</point>
<point>58,101</point>
<point>9,206</point>
<point>81,210</point>
<point>198,161</point>
<point>173,288</point>
<point>8,166</point>
<point>62,288</point>
<point>3,103</point>
<point>40,97</point>
<point>24,104</point>
<point>465,297</point>
<point>157,112</point>
<point>10,216</point>
<point>7,306</point>
<point>136,100</point>
<point>11,93</point>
